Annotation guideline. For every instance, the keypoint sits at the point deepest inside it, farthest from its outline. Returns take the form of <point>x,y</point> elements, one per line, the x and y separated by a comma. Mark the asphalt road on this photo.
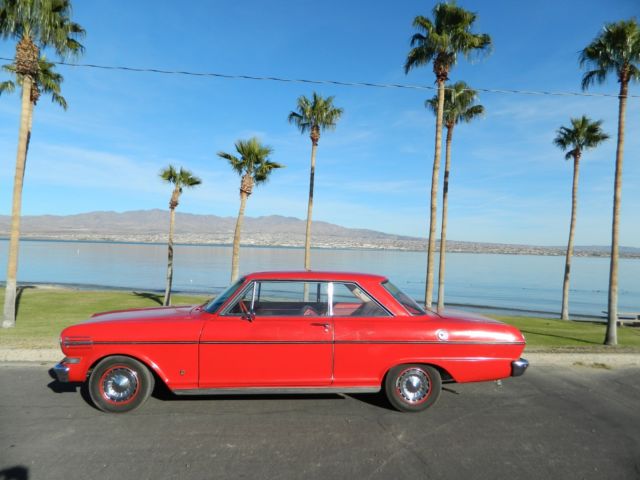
<point>552,423</point>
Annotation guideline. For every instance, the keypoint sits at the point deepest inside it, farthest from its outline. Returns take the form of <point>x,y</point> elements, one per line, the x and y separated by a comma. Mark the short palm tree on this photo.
<point>254,168</point>
<point>180,179</point>
<point>35,25</point>
<point>440,42</point>
<point>616,51</point>
<point>459,106</point>
<point>314,116</point>
<point>582,135</point>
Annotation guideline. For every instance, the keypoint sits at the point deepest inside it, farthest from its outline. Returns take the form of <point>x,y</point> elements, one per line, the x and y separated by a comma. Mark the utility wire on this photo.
<point>325,82</point>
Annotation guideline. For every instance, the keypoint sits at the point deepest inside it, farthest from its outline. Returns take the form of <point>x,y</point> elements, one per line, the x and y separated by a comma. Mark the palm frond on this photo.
<point>253,160</point>
<point>317,112</point>
<point>441,40</point>
<point>179,178</point>
<point>459,104</point>
<point>48,23</point>
<point>47,80</point>
<point>615,50</point>
<point>583,134</point>
<point>7,87</point>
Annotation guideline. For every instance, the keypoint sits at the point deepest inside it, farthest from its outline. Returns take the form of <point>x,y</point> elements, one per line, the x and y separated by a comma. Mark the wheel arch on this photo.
<point>155,370</point>
<point>444,373</point>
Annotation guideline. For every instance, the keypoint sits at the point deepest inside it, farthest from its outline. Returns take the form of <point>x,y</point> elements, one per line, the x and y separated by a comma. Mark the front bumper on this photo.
<point>61,372</point>
<point>518,367</point>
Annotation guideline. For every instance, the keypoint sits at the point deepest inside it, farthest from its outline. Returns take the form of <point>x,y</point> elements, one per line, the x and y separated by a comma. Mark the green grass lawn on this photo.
<point>44,312</point>
<point>548,334</point>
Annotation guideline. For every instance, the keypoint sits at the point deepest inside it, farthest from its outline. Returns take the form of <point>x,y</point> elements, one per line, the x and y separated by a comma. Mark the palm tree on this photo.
<point>179,179</point>
<point>35,24</point>
<point>254,167</point>
<point>47,81</point>
<point>582,135</point>
<point>439,42</point>
<point>313,116</point>
<point>458,107</point>
<point>616,50</point>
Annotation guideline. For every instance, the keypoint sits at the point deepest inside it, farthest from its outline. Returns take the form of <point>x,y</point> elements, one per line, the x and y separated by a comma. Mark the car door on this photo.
<point>274,334</point>
<point>364,336</point>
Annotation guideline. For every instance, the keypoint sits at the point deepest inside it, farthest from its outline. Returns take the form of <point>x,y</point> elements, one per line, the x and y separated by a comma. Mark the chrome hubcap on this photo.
<point>120,385</point>
<point>413,385</point>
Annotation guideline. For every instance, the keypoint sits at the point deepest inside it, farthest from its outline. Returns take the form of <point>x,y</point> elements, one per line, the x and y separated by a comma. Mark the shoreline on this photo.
<point>491,249</point>
<point>477,308</point>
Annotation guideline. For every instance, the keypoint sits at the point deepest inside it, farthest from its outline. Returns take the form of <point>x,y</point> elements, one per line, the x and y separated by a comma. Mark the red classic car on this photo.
<point>288,332</point>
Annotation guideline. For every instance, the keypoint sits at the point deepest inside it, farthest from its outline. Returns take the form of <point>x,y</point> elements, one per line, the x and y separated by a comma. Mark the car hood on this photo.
<point>142,314</point>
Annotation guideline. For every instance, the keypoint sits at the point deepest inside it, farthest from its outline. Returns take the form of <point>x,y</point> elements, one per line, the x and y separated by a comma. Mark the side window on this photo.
<point>349,300</point>
<point>285,299</point>
<point>243,303</point>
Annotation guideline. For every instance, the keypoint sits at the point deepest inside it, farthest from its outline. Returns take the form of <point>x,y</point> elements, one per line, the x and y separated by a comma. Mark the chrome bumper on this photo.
<point>61,372</point>
<point>518,367</point>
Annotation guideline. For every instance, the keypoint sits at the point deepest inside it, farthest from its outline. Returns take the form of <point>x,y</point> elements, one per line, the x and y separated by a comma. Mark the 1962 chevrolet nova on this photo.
<point>288,332</point>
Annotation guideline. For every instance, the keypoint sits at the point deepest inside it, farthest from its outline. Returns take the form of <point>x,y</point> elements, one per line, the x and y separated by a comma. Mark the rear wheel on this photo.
<point>412,388</point>
<point>120,384</point>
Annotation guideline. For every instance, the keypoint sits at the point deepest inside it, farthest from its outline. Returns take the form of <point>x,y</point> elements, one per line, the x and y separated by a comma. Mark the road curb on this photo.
<point>598,360</point>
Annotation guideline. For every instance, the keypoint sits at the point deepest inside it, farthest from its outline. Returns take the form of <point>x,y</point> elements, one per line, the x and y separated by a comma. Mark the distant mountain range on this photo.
<point>150,226</point>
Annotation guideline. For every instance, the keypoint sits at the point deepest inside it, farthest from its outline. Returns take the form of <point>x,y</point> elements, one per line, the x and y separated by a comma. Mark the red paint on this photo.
<point>190,348</point>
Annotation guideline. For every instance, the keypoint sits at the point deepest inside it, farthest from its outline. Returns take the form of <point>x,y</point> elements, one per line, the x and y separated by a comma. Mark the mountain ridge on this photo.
<point>151,226</point>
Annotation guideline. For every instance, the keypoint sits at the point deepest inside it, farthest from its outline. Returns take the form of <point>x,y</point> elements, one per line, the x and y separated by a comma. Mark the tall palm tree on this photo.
<point>582,135</point>
<point>459,106</point>
<point>439,42</point>
<point>35,25</point>
<point>180,179</point>
<point>47,81</point>
<point>313,116</point>
<point>254,168</point>
<point>616,50</point>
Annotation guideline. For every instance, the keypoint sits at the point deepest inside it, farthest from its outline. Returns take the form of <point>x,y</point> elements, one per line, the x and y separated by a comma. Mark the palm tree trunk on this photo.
<point>434,197</point>
<point>445,209</point>
<point>235,257</point>
<point>167,291</point>
<point>9,319</point>
<point>611,337</point>
<point>307,239</point>
<point>564,314</point>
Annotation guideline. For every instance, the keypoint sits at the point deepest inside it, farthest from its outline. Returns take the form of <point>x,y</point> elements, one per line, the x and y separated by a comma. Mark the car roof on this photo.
<point>315,275</point>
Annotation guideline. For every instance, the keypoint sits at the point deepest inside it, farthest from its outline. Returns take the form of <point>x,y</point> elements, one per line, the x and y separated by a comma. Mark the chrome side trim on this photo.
<point>61,372</point>
<point>518,367</point>
<point>276,390</point>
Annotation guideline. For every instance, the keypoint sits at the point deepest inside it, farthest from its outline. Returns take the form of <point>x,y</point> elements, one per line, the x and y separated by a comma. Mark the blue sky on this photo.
<point>508,184</point>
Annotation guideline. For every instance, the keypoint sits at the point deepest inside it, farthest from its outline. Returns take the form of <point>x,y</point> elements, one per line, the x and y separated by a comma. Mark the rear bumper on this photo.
<point>61,371</point>
<point>518,367</point>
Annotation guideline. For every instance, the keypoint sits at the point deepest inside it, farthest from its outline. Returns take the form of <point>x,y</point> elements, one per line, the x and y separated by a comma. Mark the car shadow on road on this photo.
<point>18,472</point>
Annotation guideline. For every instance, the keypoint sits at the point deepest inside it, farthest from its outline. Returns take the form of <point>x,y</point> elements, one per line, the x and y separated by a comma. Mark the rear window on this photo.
<point>407,302</point>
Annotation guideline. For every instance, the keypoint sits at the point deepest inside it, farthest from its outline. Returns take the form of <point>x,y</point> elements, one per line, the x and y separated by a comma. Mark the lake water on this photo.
<point>518,282</point>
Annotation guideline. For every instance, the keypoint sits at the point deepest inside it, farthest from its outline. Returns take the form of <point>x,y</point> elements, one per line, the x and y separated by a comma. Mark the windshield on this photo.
<point>407,302</point>
<point>216,303</point>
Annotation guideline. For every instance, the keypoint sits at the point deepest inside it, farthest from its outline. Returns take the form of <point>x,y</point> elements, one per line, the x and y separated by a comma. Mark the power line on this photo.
<point>326,82</point>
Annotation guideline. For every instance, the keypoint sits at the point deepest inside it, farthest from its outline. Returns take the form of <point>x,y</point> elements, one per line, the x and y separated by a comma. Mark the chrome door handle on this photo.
<point>326,326</point>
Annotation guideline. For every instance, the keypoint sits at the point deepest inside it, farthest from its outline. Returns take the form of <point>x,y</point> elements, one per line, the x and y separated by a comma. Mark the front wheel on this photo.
<point>412,388</point>
<point>120,384</point>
